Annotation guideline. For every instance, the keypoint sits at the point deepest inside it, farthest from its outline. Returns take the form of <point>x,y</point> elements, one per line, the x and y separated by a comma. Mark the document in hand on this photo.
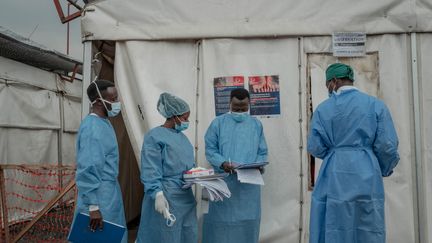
<point>255,165</point>
<point>214,186</point>
<point>250,176</point>
<point>80,233</point>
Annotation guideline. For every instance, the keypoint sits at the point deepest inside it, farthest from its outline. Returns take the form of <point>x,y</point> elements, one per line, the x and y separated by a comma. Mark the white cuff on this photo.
<point>93,208</point>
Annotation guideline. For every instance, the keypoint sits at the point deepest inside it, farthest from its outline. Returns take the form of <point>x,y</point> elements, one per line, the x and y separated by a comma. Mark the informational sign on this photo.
<point>349,44</point>
<point>264,95</point>
<point>222,92</point>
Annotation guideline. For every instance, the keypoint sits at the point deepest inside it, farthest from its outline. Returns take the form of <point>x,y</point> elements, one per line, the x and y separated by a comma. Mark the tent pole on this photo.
<point>420,190</point>
<point>4,206</point>
<point>301,143</point>
<point>87,78</point>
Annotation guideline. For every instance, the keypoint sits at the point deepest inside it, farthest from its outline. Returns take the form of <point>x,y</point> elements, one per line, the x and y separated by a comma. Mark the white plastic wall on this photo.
<point>145,69</point>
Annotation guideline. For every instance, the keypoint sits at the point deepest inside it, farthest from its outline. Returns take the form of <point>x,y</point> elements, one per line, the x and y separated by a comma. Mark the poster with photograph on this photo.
<point>264,95</point>
<point>222,91</point>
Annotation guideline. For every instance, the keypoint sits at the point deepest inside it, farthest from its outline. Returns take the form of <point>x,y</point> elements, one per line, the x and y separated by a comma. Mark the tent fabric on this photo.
<point>141,74</point>
<point>395,90</point>
<point>30,130</point>
<point>194,19</point>
<point>425,74</point>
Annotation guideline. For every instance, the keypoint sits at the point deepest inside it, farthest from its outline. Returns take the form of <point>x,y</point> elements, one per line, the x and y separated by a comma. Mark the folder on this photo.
<point>252,165</point>
<point>80,233</point>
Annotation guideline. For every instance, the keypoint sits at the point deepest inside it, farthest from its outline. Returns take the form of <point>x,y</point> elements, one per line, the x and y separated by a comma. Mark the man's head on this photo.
<point>102,93</point>
<point>239,100</point>
<point>337,75</point>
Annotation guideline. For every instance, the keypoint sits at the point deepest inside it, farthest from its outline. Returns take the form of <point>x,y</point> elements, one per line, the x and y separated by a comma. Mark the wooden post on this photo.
<point>4,204</point>
<point>45,210</point>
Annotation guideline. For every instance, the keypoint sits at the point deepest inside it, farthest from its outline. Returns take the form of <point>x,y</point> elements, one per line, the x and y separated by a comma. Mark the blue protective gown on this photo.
<point>236,219</point>
<point>354,135</point>
<point>97,170</point>
<point>165,155</point>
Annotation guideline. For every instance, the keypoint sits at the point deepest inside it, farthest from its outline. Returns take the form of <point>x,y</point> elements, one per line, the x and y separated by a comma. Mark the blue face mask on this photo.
<point>115,109</point>
<point>239,116</point>
<point>183,125</point>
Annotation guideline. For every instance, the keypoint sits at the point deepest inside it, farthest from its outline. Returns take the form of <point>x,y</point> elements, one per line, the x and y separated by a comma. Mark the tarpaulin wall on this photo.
<point>35,115</point>
<point>394,88</point>
<point>425,74</point>
<point>144,69</point>
<point>193,19</point>
<point>40,116</point>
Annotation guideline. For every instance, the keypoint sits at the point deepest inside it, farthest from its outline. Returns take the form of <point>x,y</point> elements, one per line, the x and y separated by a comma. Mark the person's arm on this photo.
<point>90,162</point>
<point>212,145</point>
<point>386,141</point>
<point>151,166</point>
<point>315,143</point>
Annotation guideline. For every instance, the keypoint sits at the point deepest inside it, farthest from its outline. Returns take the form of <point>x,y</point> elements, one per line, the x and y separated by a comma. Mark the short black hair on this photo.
<point>240,94</point>
<point>102,85</point>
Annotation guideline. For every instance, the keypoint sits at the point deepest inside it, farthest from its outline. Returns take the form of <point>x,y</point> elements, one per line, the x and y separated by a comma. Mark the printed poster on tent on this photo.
<point>264,95</point>
<point>222,90</point>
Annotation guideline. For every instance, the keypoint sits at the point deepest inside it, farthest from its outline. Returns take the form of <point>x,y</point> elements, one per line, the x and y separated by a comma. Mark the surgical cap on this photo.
<point>170,105</point>
<point>339,70</point>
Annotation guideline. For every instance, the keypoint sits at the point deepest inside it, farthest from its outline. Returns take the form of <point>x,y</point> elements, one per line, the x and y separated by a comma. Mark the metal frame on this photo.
<point>63,18</point>
<point>421,204</point>
<point>4,205</point>
<point>87,77</point>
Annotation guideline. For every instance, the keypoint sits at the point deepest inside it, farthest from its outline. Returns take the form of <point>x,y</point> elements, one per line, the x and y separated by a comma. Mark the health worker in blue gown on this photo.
<point>354,135</point>
<point>97,156</point>
<point>168,212</point>
<point>232,139</point>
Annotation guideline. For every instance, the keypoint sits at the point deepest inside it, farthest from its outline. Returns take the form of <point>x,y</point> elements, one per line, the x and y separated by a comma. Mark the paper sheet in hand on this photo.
<point>216,188</point>
<point>252,165</point>
<point>250,176</point>
<point>111,233</point>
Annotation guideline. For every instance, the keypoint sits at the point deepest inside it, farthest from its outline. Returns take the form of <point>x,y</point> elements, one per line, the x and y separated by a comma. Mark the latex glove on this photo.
<point>161,204</point>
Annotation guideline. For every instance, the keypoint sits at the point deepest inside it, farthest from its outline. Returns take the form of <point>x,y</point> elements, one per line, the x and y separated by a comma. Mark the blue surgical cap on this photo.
<point>170,105</point>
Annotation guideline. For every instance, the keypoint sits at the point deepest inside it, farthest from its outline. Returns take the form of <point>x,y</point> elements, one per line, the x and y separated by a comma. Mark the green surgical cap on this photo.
<point>339,70</point>
<point>170,105</point>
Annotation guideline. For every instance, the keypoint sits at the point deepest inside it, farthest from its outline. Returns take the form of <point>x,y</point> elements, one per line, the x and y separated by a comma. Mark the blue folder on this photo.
<point>81,233</point>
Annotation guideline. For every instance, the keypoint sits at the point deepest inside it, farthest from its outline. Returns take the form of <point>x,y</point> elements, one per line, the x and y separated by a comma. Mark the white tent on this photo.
<point>181,46</point>
<point>40,118</point>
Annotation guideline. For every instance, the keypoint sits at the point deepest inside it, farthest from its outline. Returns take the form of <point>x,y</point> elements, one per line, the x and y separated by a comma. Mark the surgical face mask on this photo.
<point>115,107</point>
<point>183,125</point>
<point>239,116</point>
<point>171,218</point>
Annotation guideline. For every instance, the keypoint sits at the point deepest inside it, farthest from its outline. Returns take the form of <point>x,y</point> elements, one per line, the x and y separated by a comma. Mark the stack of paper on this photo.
<point>251,176</point>
<point>215,187</point>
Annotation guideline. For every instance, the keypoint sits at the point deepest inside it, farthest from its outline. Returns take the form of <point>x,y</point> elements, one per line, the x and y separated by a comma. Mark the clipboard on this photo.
<point>81,233</point>
<point>251,165</point>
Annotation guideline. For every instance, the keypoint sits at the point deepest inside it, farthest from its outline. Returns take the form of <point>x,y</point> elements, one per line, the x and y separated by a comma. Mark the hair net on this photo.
<point>170,105</point>
<point>339,70</point>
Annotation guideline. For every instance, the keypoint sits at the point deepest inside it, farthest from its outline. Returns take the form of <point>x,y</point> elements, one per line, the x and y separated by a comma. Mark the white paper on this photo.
<point>251,176</point>
<point>215,188</point>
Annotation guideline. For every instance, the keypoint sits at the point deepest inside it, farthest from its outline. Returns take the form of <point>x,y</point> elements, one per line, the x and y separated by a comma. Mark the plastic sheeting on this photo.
<point>144,69</point>
<point>191,19</point>
<point>395,91</point>
<point>40,109</point>
<point>425,73</point>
